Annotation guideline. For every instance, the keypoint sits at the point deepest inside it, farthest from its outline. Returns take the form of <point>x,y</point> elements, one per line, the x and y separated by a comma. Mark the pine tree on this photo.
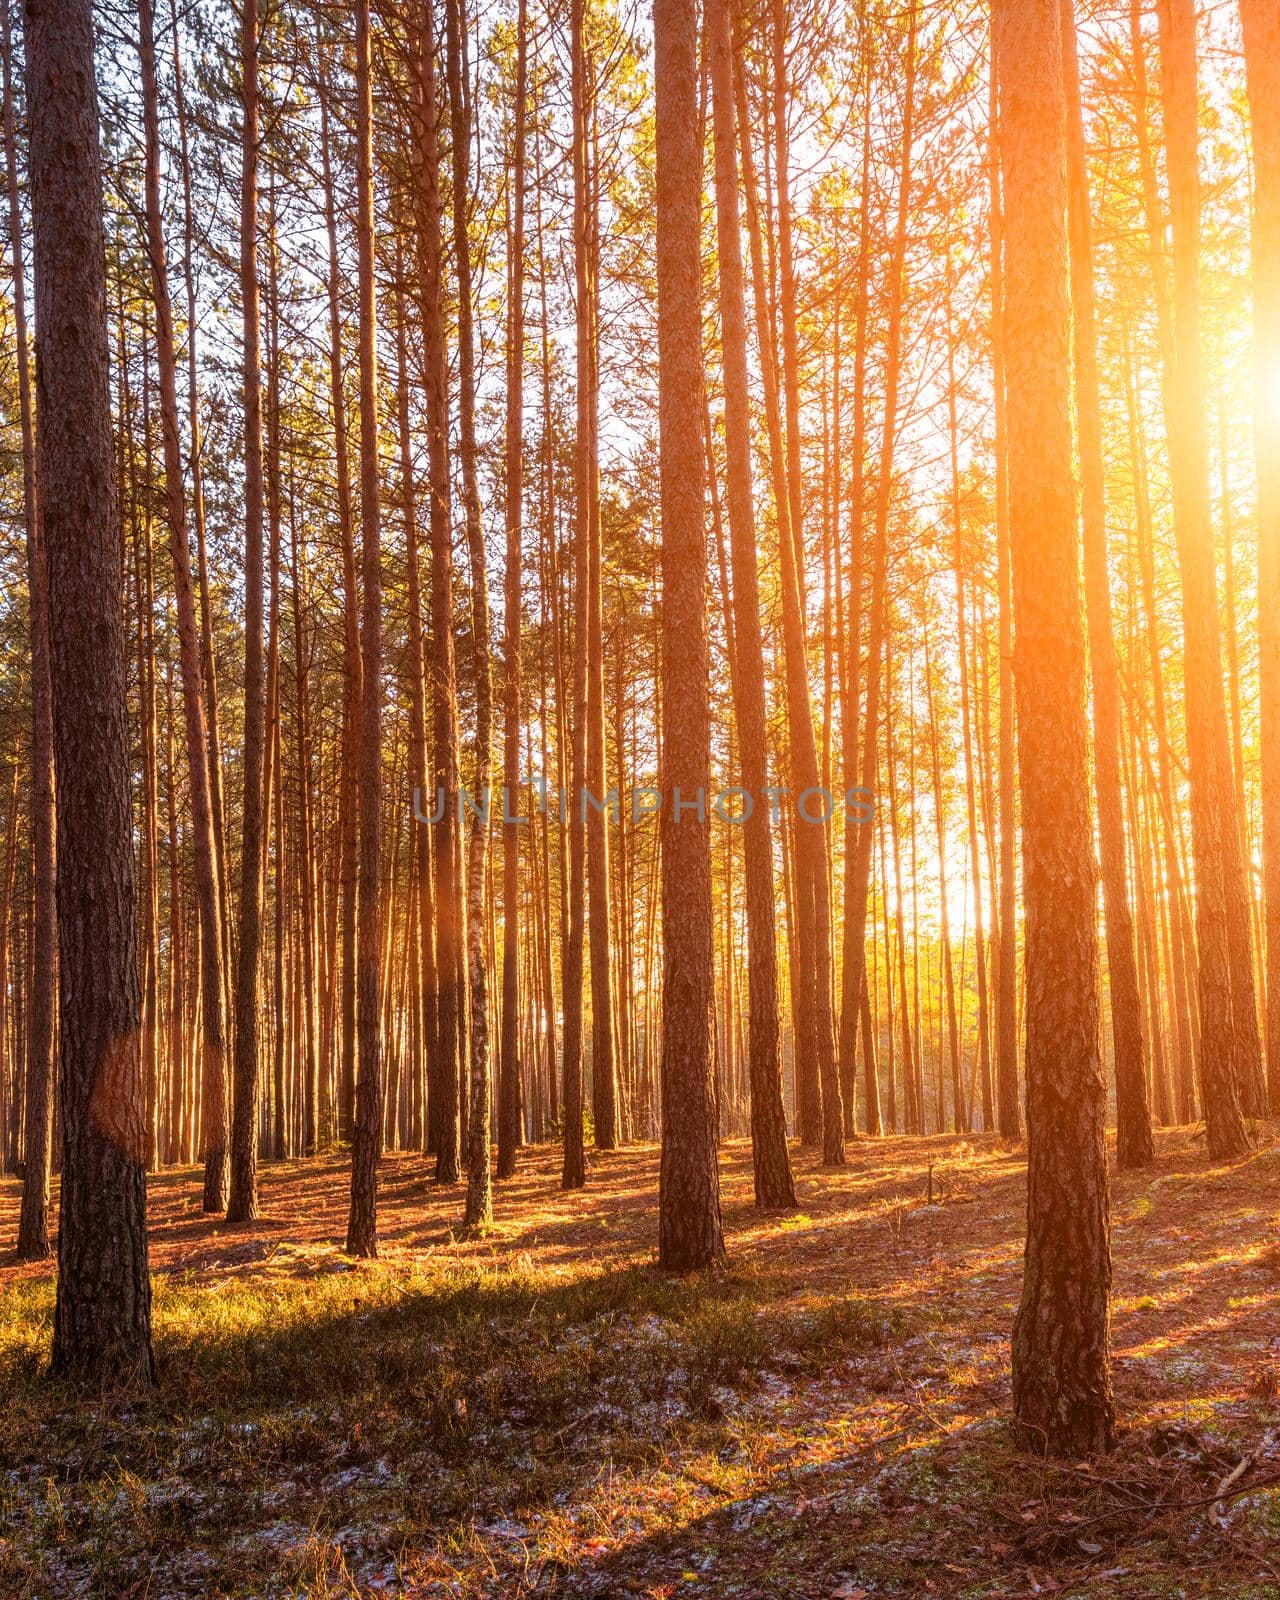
<point>689,1233</point>
<point>102,1313</point>
<point>1061,1375</point>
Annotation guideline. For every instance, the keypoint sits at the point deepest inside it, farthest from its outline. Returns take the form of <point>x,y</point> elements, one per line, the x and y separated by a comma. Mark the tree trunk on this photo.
<point>856,896</point>
<point>1230,1056</point>
<point>1061,1374</point>
<point>813,861</point>
<point>102,1315</point>
<point>33,1220</point>
<point>207,666</point>
<point>1135,1146</point>
<point>1008,1109</point>
<point>366,1142</point>
<point>243,1204</point>
<point>212,981</point>
<point>574,1171</point>
<point>349,797</point>
<point>509,1110</point>
<point>689,1233</point>
<point>1262,62</point>
<point>443,1088</point>
<point>774,1186</point>
<point>479,1205</point>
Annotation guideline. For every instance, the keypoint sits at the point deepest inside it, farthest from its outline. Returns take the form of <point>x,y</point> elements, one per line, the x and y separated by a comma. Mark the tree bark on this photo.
<point>1008,1107</point>
<point>1061,1374</point>
<point>689,1232</point>
<point>212,981</point>
<point>509,1107</point>
<point>443,1077</point>
<point>349,796</point>
<point>479,1204</point>
<point>243,1203</point>
<point>573,1175</point>
<point>1230,1057</point>
<point>856,896</point>
<point>102,1314</point>
<point>1262,63</point>
<point>771,1161</point>
<point>813,859</point>
<point>33,1219</point>
<point>366,1143</point>
<point>1135,1145</point>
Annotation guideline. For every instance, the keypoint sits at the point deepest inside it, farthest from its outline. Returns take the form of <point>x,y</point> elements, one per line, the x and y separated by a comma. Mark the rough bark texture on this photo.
<point>208,669</point>
<point>824,1119</point>
<point>1135,1143</point>
<point>102,1315</point>
<point>1261,20</point>
<point>349,796</point>
<point>1230,1054</point>
<point>509,1107</point>
<point>689,1233</point>
<point>574,1172</point>
<point>479,1207</point>
<point>604,1067</point>
<point>443,1074</point>
<point>853,964</point>
<point>774,1185</point>
<point>212,982</point>
<point>858,893</point>
<point>1061,1376</point>
<point>420,889</point>
<point>243,1203</point>
<point>1008,1106</point>
<point>366,1143</point>
<point>33,1220</point>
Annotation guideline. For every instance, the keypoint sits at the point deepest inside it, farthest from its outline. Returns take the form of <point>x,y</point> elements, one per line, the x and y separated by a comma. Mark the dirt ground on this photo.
<point>540,1412</point>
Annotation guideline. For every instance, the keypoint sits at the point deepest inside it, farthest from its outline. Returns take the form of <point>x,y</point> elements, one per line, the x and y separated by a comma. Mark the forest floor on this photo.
<point>542,1413</point>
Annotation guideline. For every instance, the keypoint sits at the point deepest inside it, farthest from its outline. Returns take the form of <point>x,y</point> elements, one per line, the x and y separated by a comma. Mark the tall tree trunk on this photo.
<point>479,1205</point>
<point>944,912</point>
<point>1008,1109</point>
<point>421,890</point>
<point>1061,1373</point>
<point>444,1084</point>
<point>141,495</point>
<point>33,1219</point>
<point>349,796</point>
<point>813,858</point>
<point>11,1073</point>
<point>1231,1054</point>
<point>689,1233</point>
<point>856,899</point>
<point>604,1066</point>
<point>243,1203</point>
<point>1262,62</point>
<point>774,1186</point>
<point>102,1314</point>
<point>366,1143</point>
<point>509,1130</point>
<point>982,1065</point>
<point>574,1171</point>
<point>207,665</point>
<point>212,981</point>
<point>853,966</point>
<point>1135,1146</point>
<point>311,1059</point>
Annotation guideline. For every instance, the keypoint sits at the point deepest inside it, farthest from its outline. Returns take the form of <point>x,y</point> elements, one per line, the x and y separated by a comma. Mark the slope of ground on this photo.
<point>540,1412</point>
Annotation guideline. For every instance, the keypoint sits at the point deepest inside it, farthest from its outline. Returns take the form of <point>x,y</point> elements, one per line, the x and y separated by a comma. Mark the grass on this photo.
<point>541,1411</point>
